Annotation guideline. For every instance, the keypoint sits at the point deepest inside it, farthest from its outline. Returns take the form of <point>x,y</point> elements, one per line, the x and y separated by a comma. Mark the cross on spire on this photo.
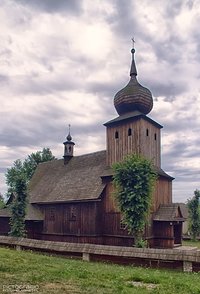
<point>133,41</point>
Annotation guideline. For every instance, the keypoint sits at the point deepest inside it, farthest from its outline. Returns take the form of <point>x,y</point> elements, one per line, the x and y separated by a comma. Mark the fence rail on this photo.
<point>188,260</point>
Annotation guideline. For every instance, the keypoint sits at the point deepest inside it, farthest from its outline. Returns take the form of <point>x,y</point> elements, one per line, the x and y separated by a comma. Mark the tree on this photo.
<point>17,178</point>
<point>25,169</point>
<point>2,202</point>
<point>18,208</point>
<point>194,214</point>
<point>134,179</point>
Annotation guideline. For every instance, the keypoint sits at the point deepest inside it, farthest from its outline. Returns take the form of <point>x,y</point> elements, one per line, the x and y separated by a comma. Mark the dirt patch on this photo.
<point>58,288</point>
<point>142,284</point>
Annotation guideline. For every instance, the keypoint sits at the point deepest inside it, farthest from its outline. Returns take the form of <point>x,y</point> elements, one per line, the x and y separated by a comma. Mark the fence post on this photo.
<point>187,266</point>
<point>86,256</point>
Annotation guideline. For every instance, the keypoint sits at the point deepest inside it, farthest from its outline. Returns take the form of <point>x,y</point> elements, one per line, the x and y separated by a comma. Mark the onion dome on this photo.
<point>133,97</point>
<point>69,137</point>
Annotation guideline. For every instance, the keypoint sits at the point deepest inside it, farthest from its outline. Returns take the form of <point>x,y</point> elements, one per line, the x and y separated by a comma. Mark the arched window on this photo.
<point>147,132</point>
<point>116,135</point>
<point>129,132</point>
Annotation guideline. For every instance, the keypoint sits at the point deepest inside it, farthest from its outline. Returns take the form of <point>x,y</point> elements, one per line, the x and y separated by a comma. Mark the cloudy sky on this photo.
<point>63,61</point>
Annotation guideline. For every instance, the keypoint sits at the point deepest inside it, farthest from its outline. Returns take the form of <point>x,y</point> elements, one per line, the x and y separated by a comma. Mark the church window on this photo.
<point>122,226</point>
<point>147,132</point>
<point>52,214</point>
<point>70,148</point>
<point>155,136</point>
<point>116,135</point>
<point>129,132</point>
<point>73,214</point>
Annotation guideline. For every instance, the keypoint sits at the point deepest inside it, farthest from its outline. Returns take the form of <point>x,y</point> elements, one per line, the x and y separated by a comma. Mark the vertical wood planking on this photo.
<point>138,142</point>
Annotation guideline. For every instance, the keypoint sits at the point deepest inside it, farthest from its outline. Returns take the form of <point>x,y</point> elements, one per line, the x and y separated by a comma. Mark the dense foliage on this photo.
<point>25,169</point>
<point>17,178</point>
<point>2,203</point>
<point>194,214</point>
<point>18,209</point>
<point>134,179</point>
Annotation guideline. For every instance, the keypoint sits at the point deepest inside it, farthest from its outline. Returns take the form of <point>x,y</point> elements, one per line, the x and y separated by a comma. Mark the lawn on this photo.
<point>192,243</point>
<point>49,274</point>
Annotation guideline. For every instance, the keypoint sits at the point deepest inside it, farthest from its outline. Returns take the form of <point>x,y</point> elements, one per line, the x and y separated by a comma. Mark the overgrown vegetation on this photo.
<point>2,202</point>
<point>18,209</point>
<point>191,243</point>
<point>134,179</point>
<point>17,179</point>
<point>54,275</point>
<point>25,169</point>
<point>194,215</point>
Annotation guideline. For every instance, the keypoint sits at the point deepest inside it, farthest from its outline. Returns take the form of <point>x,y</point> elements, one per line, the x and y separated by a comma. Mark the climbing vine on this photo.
<point>18,209</point>
<point>134,180</point>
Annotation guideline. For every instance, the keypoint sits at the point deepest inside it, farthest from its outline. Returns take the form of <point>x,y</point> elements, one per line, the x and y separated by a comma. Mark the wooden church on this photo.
<point>71,199</point>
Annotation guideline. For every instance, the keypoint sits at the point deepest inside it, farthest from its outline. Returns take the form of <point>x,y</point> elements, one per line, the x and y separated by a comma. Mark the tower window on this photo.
<point>147,132</point>
<point>129,132</point>
<point>155,136</point>
<point>122,226</point>
<point>116,135</point>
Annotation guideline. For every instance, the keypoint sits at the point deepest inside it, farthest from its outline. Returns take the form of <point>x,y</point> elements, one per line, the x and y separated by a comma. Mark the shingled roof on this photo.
<point>79,179</point>
<point>168,212</point>
<point>33,212</point>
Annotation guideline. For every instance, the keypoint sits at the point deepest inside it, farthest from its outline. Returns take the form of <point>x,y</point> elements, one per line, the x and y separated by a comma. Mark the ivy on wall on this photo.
<point>134,180</point>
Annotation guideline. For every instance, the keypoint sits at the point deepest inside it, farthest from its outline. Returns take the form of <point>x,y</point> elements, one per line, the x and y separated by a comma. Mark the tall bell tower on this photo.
<point>133,131</point>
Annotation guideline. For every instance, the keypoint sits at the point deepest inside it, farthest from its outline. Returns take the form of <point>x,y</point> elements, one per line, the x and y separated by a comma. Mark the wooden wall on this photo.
<point>34,229</point>
<point>5,226</point>
<point>163,234</point>
<point>162,192</point>
<point>78,219</point>
<point>114,232</point>
<point>139,136</point>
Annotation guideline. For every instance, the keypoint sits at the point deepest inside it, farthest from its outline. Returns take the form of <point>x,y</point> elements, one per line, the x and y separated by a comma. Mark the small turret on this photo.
<point>68,148</point>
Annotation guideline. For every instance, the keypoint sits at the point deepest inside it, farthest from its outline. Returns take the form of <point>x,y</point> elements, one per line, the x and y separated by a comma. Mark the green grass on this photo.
<point>192,243</point>
<point>61,275</point>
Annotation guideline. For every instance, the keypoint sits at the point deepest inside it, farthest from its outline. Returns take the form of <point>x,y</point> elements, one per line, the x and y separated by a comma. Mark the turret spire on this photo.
<point>68,147</point>
<point>133,97</point>
<point>69,137</point>
<point>133,71</point>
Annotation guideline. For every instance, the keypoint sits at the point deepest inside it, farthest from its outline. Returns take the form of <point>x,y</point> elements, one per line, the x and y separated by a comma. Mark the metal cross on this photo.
<point>133,40</point>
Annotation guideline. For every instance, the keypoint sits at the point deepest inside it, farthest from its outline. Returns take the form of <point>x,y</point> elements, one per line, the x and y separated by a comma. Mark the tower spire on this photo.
<point>133,97</point>
<point>133,71</point>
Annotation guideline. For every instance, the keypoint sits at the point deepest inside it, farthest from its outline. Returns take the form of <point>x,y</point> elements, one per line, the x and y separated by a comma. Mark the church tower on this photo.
<point>133,131</point>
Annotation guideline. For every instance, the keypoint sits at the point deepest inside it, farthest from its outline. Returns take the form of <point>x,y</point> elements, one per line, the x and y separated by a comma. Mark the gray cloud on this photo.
<point>169,89</point>
<point>52,6</point>
<point>50,80</point>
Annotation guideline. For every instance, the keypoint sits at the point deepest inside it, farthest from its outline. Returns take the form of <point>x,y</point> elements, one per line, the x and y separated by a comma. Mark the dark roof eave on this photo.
<point>67,201</point>
<point>170,220</point>
<point>135,115</point>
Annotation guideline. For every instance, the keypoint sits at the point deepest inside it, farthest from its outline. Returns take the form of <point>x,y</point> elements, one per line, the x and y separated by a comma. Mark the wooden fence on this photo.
<point>186,260</point>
